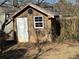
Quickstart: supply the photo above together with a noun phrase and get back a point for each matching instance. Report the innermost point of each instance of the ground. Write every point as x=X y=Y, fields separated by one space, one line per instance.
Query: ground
x=48 y=51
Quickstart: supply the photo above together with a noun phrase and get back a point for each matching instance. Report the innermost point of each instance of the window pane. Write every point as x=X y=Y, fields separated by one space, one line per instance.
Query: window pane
x=40 y=18
x=39 y=24
x=36 y=18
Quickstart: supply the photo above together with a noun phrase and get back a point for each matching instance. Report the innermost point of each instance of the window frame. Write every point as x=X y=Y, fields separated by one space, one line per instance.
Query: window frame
x=39 y=22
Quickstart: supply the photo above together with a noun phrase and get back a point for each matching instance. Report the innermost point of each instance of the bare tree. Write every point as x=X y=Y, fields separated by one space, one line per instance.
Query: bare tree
x=40 y=1
x=3 y=2
x=77 y=1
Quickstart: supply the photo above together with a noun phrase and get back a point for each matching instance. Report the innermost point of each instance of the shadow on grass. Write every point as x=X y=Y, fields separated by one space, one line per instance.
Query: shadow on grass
x=14 y=54
x=7 y=44
x=75 y=57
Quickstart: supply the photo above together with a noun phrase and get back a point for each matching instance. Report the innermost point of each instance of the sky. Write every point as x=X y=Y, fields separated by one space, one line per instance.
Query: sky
x=45 y=0
x=55 y=1
x=72 y=1
x=51 y=1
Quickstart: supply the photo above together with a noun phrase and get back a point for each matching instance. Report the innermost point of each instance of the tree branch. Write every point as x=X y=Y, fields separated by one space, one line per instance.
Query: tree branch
x=39 y=2
x=8 y=22
x=3 y=2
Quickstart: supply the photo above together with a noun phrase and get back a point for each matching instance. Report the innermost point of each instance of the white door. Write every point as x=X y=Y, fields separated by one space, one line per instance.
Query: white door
x=22 y=29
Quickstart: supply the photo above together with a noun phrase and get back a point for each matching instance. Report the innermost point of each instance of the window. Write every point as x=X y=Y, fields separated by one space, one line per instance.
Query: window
x=38 y=22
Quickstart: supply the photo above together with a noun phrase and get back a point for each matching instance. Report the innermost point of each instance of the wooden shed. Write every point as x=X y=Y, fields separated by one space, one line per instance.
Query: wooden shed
x=33 y=23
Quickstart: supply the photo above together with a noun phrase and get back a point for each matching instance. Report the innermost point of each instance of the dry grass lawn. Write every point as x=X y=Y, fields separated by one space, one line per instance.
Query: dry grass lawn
x=48 y=51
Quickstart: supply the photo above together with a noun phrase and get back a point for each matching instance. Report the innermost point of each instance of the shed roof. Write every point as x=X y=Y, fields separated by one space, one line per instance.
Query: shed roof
x=47 y=12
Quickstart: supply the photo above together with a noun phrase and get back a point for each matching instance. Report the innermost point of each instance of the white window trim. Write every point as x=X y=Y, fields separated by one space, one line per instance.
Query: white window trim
x=39 y=22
